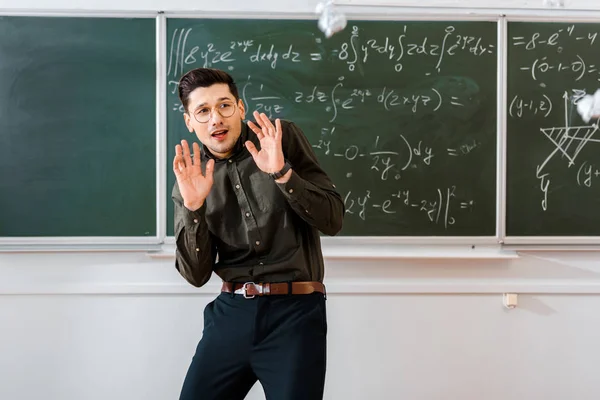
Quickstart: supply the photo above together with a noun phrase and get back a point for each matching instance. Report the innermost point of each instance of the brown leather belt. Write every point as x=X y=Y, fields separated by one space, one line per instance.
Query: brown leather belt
x=251 y=289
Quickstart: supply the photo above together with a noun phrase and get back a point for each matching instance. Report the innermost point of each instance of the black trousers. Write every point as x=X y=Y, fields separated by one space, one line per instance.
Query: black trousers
x=278 y=340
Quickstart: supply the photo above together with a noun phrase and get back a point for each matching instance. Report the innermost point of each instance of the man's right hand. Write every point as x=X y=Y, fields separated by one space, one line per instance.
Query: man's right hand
x=193 y=186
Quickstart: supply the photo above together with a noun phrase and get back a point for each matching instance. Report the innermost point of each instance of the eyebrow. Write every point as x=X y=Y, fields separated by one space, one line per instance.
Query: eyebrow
x=218 y=100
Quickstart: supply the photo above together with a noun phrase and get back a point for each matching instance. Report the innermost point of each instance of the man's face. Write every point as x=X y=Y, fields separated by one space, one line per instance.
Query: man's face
x=206 y=107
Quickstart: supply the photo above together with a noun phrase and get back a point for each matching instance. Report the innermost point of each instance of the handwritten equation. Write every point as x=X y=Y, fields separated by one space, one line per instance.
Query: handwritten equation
x=401 y=115
x=438 y=209
x=575 y=66
x=395 y=50
x=521 y=106
x=388 y=163
x=561 y=62
x=337 y=96
x=340 y=98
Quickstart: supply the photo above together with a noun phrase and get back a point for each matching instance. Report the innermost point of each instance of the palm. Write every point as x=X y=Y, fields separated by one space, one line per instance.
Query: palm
x=270 y=157
x=193 y=186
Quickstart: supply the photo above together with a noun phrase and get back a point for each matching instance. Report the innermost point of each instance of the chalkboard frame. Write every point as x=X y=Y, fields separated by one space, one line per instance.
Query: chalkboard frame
x=472 y=243
x=540 y=242
x=154 y=243
x=107 y=243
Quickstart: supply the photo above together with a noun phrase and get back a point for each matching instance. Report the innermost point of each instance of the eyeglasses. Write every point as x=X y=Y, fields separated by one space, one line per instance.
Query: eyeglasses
x=225 y=110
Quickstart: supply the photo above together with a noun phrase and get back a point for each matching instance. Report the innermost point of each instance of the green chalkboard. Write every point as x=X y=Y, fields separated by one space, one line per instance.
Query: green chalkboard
x=402 y=115
x=553 y=157
x=77 y=127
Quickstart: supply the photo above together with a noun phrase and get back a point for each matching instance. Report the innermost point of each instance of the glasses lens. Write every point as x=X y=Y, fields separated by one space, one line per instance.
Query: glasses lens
x=225 y=109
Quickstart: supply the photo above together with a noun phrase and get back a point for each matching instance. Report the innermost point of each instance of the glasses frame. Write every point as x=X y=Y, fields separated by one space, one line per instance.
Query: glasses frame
x=212 y=109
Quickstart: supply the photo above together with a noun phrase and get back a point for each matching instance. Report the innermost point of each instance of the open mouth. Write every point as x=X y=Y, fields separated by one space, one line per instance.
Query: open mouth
x=219 y=134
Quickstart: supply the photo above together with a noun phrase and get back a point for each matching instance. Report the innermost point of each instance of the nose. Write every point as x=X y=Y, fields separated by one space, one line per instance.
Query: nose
x=216 y=118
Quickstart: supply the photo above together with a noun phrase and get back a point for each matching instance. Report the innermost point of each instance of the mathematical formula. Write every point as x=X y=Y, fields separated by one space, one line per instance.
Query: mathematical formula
x=575 y=67
x=438 y=209
x=565 y=57
x=397 y=49
x=425 y=82
x=389 y=163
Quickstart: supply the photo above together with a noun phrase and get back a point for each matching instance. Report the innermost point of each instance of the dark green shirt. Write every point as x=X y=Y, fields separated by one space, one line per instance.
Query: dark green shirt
x=252 y=228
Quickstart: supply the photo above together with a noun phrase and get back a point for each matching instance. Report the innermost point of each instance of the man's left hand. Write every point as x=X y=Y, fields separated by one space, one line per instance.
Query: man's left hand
x=270 y=157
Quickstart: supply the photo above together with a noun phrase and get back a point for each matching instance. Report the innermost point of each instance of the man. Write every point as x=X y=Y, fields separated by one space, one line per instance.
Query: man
x=250 y=207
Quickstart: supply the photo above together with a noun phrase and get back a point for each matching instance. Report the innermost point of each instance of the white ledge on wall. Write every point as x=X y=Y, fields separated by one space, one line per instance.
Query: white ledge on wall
x=78 y=244
x=395 y=248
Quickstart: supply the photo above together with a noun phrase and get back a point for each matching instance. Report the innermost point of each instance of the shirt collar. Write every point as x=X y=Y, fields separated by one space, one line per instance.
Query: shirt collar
x=239 y=149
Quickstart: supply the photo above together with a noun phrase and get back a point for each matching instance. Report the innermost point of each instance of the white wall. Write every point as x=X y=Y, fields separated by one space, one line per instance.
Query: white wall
x=123 y=326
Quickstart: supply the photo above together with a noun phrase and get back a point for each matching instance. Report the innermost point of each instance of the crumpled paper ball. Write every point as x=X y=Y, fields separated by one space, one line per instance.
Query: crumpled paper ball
x=588 y=106
x=331 y=20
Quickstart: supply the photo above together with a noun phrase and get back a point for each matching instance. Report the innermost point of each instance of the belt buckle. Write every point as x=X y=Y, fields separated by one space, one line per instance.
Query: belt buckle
x=245 y=289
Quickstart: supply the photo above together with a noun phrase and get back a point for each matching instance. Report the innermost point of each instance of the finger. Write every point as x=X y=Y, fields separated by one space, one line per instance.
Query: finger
x=256 y=129
x=210 y=169
x=186 y=153
x=252 y=149
x=177 y=160
x=257 y=118
x=267 y=126
x=177 y=165
x=259 y=121
x=196 y=147
x=278 y=130
x=263 y=121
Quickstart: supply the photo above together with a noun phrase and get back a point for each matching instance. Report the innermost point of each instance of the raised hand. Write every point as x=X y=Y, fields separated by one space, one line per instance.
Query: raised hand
x=270 y=157
x=194 y=186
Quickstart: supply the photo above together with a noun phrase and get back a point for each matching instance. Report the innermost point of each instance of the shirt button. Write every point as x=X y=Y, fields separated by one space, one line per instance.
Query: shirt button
x=197 y=249
x=260 y=263
x=291 y=191
x=237 y=186
x=230 y=161
x=306 y=211
x=195 y=221
x=247 y=214
x=258 y=242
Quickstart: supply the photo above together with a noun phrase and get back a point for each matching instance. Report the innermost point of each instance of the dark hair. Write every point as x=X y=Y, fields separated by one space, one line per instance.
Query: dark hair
x=204 y=77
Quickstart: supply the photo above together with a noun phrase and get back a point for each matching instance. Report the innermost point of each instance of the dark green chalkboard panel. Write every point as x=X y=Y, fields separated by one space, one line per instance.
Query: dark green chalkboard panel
x=402 y=115
x=77 y=127
x=553 y=161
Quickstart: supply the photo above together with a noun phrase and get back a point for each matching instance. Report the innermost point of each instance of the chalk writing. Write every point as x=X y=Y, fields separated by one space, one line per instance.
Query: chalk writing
x=439 y=208
x=520 y=105
x=568 y=143
x=387 y=111
x=397 y=49
x=561 y=61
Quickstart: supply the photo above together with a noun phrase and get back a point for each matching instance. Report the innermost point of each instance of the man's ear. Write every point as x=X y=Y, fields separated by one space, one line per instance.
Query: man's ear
x=188 y=122
x=242 y=108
